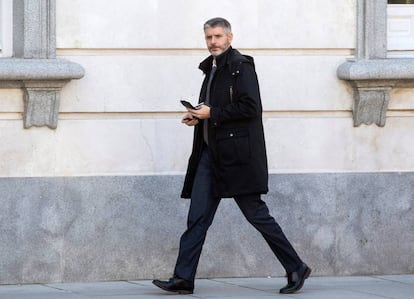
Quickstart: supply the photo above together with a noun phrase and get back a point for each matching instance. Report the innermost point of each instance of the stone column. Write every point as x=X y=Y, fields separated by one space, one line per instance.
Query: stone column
x=371 y=29
x=34 y=29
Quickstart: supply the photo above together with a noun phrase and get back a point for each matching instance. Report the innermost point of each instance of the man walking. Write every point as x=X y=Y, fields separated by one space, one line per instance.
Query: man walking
x=228 y=160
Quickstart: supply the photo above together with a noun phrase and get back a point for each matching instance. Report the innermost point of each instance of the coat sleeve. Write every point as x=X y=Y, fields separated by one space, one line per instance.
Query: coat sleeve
x=246 y=102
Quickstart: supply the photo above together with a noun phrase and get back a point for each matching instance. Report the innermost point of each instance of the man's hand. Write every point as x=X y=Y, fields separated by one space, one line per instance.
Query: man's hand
x=201 y=113
x=189 y=119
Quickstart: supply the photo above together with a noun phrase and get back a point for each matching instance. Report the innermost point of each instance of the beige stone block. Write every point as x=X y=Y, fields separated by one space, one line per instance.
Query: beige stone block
x=129 y=83
x=332 y=144
x=178 y=23
x=133 y=146
x=302 y=83
x=11 y=100
x=401 y=99
x=123 y=147
x=84 y=147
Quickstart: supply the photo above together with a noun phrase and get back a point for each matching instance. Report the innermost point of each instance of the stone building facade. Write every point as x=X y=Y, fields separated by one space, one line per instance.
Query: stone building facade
x=93 y=152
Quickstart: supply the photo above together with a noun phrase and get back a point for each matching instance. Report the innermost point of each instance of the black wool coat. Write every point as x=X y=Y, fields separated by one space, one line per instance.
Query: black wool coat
x=236 y=139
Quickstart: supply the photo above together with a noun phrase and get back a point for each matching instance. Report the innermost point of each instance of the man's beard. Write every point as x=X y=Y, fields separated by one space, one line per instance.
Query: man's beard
x=218 y=52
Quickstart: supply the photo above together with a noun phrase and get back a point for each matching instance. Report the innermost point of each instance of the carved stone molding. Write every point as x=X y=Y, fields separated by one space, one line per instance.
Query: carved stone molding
x=371 y=103
x=41 y=81
x=371 y=74
x=34 y=66
x=41 y=103
x=372 y=81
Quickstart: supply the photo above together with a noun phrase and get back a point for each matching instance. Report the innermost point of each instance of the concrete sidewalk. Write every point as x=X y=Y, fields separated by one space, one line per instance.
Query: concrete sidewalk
x=364 y=287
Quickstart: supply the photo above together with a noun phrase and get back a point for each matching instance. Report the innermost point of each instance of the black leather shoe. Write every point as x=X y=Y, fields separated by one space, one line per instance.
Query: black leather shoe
x=296 y=280
x=176 y=285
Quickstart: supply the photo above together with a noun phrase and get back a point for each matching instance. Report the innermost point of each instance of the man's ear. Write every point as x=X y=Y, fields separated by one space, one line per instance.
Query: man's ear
x=230 y=36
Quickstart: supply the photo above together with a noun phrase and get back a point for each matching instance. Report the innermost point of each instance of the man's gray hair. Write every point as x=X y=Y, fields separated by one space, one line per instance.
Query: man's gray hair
x=218 y=22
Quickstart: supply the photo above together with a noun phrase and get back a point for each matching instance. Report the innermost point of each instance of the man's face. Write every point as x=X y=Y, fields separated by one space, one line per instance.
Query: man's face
x=217 y=40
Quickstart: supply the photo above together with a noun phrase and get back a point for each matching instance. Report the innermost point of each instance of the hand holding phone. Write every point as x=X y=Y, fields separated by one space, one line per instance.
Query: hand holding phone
x=190 y=106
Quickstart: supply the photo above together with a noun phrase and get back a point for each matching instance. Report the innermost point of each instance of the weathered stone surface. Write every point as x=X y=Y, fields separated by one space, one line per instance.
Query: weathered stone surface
x=115 y=228
x=377 y=69
x=15 y=69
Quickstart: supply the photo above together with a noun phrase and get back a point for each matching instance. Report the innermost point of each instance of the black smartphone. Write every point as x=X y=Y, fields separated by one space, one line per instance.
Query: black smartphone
x=189 y=105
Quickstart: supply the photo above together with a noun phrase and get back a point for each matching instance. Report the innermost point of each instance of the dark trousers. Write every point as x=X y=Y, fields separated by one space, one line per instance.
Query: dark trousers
x=200 y=216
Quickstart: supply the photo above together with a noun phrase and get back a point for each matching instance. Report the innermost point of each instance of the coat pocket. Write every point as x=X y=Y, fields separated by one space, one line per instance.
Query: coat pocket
x=233 y=147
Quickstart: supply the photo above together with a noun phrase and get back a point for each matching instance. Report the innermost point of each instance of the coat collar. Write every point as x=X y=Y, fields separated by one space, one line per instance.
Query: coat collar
x=221 y=60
